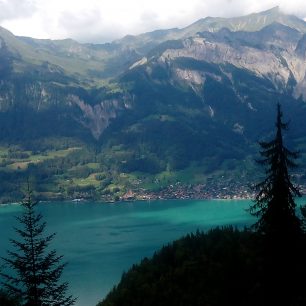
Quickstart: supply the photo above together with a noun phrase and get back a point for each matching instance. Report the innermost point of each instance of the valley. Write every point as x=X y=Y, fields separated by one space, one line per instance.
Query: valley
x=172 y=113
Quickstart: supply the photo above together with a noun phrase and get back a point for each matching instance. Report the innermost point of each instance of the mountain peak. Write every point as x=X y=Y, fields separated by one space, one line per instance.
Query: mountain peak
x=271 y=11
x=250 y=23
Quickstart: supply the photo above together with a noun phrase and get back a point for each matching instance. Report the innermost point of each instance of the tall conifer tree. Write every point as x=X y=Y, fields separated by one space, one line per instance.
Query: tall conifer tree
x=278 y=225
x=274 y=203
x=36 y=270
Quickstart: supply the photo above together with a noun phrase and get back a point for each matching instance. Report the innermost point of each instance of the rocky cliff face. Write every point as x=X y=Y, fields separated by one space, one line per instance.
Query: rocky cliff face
x=97 y=117
x=243 y=59
x=273 y=57
x=40 y=97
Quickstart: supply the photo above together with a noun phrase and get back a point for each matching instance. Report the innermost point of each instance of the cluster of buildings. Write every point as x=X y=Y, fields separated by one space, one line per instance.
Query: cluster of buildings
x=200 y=191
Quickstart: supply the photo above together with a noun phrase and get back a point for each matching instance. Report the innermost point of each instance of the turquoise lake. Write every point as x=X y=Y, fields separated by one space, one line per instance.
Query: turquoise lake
x=100 y=241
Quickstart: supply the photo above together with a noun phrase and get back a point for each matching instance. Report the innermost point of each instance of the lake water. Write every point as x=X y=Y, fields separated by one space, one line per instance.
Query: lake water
x=100 y=241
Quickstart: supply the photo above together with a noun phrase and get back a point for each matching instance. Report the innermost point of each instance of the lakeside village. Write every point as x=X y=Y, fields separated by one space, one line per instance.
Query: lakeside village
x=214 y=188
x=185 y=192
x=232 y=191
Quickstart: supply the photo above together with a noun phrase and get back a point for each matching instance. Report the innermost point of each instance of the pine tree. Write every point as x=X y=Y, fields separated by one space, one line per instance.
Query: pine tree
x=279 y=227
x=36 y=270
x=274 y=203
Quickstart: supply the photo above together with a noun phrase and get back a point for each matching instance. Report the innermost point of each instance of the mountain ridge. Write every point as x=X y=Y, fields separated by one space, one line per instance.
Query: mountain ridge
x=147 y=112
x=206 y=24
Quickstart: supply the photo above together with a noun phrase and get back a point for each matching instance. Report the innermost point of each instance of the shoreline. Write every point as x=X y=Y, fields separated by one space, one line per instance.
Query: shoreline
x=84 y=201
x=171 y=192
x=127 y=202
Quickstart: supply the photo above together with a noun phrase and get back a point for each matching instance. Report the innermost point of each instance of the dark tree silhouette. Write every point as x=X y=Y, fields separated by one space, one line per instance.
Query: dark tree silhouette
x=278 y=224
x=36 y=270
x=6 y=300
x=274 y=204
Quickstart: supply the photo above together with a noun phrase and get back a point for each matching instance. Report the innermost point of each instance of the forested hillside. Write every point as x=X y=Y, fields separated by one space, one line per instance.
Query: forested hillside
x=178 y=110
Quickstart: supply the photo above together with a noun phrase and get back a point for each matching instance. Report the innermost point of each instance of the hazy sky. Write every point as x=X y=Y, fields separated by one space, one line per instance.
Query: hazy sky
x=106 y=20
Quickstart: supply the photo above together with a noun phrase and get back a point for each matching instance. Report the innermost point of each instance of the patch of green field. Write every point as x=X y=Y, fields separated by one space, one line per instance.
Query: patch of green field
x=3 y=151
x=56 y=153
x=90 y=180
x=93 y=166
x=22 y=163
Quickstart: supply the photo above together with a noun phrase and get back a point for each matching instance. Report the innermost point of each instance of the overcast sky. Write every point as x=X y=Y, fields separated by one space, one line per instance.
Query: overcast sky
x=105 y=20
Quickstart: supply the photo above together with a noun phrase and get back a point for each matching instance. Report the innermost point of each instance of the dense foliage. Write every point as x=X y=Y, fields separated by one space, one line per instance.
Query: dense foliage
x=221 y=267
x=7 y=300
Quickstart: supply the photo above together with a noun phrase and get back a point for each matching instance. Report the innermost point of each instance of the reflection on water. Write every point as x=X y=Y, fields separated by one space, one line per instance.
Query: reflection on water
x=100 y=241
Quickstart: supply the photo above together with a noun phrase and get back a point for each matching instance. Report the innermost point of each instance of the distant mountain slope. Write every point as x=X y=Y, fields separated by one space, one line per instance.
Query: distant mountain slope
x=39 y=74
x=93 y=62
x=249 y=23
x=87 y=63
x=195 y=99
x=253 y=22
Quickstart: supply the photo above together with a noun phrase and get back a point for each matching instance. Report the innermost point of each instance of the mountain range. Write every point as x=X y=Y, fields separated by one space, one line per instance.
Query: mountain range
x=169 y=107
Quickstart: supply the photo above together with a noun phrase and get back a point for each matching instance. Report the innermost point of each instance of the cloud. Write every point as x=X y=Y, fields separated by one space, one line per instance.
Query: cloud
x=296 y=7
x=233 y=8
x=106 y=20
x=12 y=9
x=91 y=26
